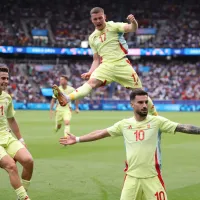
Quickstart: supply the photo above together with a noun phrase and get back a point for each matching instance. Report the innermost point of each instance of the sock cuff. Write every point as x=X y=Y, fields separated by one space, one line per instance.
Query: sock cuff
x=26 y=184
x=26 y=181
x=20 y=189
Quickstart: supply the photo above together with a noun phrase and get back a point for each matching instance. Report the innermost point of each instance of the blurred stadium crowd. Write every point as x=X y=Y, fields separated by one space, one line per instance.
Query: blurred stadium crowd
x=164 y=81
x=67 y=22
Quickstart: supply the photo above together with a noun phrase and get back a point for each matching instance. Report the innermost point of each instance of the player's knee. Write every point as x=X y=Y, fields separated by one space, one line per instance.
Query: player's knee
x=94 y=83
x=28 y=161
x=67 y=122
x=11 y=167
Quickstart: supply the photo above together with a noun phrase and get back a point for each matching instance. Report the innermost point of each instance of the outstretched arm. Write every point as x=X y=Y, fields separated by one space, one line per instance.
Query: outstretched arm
x=95 y=135
x=187 y=128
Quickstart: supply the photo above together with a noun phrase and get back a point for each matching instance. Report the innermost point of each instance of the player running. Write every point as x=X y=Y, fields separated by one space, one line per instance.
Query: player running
x=143 y=177
x=63 y=113
x=110 y=63
x=11 y=149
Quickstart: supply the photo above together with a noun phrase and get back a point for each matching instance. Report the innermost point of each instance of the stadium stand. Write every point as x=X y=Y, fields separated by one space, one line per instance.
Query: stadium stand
x=66 y=23
x=164 y=81
x=61 y=26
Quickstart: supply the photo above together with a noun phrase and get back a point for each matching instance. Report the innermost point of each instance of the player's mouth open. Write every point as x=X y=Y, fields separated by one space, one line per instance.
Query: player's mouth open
x=4 y=85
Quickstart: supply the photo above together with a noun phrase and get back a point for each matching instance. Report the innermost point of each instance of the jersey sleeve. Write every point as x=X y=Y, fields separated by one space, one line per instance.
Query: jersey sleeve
x=166 y=125
x=10 y=110
x=115 y=130
x=118 y=26
x=72 y=89
x=94 y=50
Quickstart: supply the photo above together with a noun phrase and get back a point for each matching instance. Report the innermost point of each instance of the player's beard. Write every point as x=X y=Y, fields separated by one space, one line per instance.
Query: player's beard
x=3 y=87
x=143 y=112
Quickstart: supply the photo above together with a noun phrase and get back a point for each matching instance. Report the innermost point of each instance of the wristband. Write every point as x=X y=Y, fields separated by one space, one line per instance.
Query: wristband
x=21 y=140
x=77 y=139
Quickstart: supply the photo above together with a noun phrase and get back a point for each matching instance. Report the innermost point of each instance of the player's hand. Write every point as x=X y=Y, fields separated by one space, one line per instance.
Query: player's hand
x=86 y=76
x=131 y=18
x=69 y=140
x=51 y=114
x=77 y=110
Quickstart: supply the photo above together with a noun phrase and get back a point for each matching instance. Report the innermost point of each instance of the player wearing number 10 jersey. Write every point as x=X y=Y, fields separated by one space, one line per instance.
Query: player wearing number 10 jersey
x=143 y=178
x=110 y=63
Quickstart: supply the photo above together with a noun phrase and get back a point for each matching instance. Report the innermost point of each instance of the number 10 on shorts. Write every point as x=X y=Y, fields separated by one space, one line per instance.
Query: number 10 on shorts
x=160 y=195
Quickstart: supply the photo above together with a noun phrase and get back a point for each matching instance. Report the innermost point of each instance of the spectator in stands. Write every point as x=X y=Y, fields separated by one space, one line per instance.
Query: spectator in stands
x=163 y=81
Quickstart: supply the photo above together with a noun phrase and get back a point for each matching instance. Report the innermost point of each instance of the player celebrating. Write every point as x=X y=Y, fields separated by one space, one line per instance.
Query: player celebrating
x=109 y=58
x=63 y=113
x=11 y=149
x=140 y=132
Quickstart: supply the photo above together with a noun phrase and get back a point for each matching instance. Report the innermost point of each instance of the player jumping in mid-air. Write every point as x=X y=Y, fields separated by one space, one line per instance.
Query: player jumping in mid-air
x=11 y=149
x=143 y=177
x=109 y=59
x=63 y=113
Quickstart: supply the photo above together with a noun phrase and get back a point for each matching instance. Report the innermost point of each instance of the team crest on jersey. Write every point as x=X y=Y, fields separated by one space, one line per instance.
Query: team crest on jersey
x=130 y=127
x=6 y=101
x=148 y=126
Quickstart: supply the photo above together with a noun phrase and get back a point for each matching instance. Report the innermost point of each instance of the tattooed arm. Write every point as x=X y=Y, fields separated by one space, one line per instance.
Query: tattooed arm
x=187 y=128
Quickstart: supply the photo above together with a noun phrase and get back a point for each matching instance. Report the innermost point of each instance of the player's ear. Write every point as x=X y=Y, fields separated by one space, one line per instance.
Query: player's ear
x=105 y=17
x=132 y=104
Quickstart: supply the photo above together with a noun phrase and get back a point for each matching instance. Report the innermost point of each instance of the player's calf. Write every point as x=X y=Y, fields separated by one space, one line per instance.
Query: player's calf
x=26 y=160
x=79 y=93
x=9 y=165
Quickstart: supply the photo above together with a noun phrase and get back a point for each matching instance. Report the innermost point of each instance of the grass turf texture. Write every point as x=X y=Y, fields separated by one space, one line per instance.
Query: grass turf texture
x=95 y=170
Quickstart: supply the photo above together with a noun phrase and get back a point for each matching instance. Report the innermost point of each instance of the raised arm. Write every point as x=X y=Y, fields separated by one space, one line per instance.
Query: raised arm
x=95 y=64
x=95 y=135
x=133 y=26
x=187 y=128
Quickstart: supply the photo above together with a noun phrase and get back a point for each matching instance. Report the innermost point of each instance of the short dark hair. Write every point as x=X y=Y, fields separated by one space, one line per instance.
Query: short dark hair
x=137 y=92
x=65 y=77
x=4 y=68
x=96 y=10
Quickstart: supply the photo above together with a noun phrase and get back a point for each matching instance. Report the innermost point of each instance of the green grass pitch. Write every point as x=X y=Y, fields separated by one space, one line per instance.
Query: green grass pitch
x=94 y=171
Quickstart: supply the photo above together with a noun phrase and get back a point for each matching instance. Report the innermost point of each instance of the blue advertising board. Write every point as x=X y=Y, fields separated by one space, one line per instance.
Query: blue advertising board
x=88 y=51
x=39 y=32
x=178 y=106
